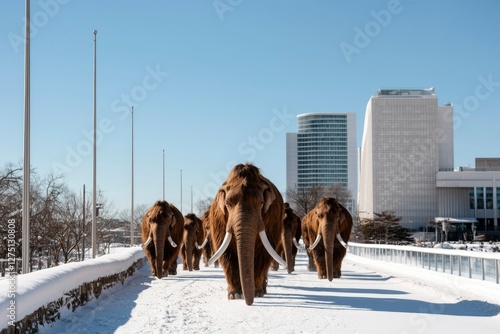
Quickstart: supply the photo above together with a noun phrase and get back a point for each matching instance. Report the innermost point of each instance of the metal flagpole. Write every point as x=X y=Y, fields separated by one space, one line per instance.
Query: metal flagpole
x=83 y=229
x=26 y=167
x=163 y=175
x=132 y=205
x=94 y=182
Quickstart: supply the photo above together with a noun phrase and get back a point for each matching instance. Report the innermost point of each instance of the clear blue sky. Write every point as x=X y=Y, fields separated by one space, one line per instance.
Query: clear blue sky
x=214 y=83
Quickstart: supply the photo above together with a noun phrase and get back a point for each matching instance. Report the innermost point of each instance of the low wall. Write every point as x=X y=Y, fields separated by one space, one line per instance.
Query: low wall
x=30 y=300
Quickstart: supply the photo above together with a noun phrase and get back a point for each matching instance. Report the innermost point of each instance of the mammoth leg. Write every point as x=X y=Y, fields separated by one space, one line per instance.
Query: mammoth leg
x=339 y=252
x=151 y=255
x=261 y=285
x=172 y=268
x=275 y=265
x=320 y=261
x=196 y=259
x=310 y=261
x=232 y=273
x=294 y=255
x=184 y=257
x=206 y=256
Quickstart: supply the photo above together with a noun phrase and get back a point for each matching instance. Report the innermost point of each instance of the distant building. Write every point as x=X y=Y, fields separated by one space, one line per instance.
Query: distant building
x=407 y=140
x=473 y=192
x=323 y=152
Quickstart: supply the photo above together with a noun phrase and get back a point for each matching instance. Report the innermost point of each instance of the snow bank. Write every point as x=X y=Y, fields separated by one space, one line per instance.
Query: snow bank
x=22 y=295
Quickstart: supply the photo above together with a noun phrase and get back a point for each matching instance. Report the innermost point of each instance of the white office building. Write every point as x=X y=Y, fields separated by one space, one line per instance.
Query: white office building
x=407 y=140
x=323 y=152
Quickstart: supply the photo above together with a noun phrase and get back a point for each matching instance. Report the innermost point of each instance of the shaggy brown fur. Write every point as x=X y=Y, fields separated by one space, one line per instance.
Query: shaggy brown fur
x=207 y=250
x=339 y=251
x=248 y=191
x=339 y=220
x=291 y=228
x=193 y=232
x=165 y=216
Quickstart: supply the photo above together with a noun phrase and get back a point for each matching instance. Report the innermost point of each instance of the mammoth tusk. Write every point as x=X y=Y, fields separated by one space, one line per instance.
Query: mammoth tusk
x=339 y=238
x=270 y=249
x=202 y=245
x=221 y=250
x=316 y=242
x=171 y=241
x=147 y=242
x=296 y=243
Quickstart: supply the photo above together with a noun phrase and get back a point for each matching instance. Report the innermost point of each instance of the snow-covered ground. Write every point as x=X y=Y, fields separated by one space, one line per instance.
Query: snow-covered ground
x=23 y=294
x=371 y=297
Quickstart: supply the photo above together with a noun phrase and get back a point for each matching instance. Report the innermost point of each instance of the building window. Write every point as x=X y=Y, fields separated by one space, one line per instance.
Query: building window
x=498 y=199
x=489 y=198
x=480 y=198
x=471 y=199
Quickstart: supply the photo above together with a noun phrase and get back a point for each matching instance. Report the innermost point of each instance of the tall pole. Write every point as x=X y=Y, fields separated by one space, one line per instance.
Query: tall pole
x=181 y=190
x=163 y=175
x=132 y=205
x=83 y=229
x=94 y=182
x=191 y=198
x=26 y=167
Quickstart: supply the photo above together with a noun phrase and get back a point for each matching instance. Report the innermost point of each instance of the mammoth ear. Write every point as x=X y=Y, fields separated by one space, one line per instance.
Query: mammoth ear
x=269 y=198
x=169 y=214
x=221 y=200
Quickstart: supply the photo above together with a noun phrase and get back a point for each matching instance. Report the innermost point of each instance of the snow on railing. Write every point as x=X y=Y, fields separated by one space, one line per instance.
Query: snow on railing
x=35 y=298
x=471 y=264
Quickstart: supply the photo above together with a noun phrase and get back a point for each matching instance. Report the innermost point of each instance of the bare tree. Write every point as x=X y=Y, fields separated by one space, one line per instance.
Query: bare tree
x=139 y=212
x=11 y=189
x=203 y=204
x=45 y=197
x=338 y=191
x=66 y=232
x=302 y=200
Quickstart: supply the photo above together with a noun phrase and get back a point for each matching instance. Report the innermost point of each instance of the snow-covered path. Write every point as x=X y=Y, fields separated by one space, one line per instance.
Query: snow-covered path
x=369 y=298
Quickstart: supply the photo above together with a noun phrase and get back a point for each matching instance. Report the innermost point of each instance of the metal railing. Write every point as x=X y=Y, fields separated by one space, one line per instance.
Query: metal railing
x=471 y=264
x=5 y=266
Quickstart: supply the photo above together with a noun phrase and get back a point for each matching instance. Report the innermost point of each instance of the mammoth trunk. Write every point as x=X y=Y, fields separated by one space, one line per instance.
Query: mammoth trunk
x=188 y=243
x=287 y=245
x=329 y=240
x=159 y=243
x=245 y=243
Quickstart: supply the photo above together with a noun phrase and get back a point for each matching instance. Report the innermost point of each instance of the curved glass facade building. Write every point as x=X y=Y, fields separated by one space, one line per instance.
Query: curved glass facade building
x=323 y=151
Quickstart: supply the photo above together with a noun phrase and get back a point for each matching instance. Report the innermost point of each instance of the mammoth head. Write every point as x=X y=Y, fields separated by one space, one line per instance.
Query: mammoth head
x=228 y=197
x=290 y=221
x=329 y=217
x=328 y=210
x=190 y=222
x=245 y=183
x=161 y=213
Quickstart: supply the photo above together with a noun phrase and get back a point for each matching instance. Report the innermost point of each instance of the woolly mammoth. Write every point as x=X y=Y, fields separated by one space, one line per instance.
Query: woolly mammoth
x=207 y=249
x=326 y=230
x=290 y=237
x=162 y=229
x=192 y=242
x=246 y=219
